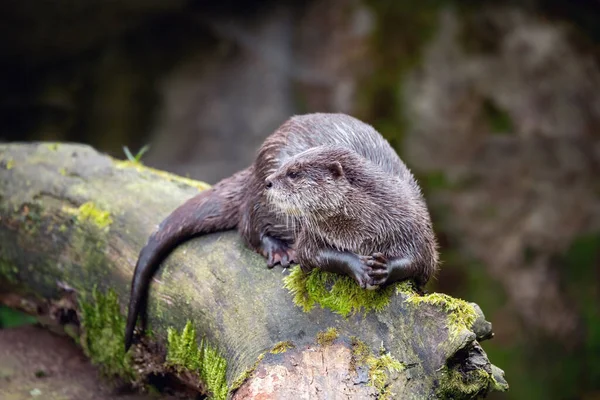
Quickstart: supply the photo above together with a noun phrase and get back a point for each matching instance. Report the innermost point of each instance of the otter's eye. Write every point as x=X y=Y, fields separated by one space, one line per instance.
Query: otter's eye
x=292 y=174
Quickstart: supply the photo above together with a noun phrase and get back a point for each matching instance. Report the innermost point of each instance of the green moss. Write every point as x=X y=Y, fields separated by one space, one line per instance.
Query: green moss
x=338 y=293
x=52 y=146
x=360 y=351
x=10 y=164
x=327 y=337
x=461 y=314
x=103 y=329
x=379 y=367
x=63 y=171
x=89 y=212
x=455 y=384
x=282 y=347
x=166 y=175
x=246 y=374
x=184 y=353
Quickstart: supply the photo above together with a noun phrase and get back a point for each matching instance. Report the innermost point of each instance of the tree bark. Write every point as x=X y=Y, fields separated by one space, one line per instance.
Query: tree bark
x=72 y=222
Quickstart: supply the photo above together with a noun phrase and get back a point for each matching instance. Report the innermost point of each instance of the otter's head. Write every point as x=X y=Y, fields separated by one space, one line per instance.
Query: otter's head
x=311 y=184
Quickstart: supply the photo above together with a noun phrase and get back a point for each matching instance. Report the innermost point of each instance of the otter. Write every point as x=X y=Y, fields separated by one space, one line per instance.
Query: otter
x=325 y=191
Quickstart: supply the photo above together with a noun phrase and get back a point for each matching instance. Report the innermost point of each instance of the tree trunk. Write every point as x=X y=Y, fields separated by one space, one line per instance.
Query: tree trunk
x=72 y=223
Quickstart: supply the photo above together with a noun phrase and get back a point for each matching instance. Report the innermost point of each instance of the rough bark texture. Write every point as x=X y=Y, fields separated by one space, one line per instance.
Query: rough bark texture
x=72 y=219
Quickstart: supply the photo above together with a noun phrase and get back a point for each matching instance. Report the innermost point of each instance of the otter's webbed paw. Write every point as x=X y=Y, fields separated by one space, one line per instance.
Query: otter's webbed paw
x=277 y=252
x=379 y=268
x=360 y=272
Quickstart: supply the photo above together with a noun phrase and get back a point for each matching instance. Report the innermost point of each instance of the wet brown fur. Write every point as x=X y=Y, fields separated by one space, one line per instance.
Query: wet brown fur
x=381 y=208
x=343 y=201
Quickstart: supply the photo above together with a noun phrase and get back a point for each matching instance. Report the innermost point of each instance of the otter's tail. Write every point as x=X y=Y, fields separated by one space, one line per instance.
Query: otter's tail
x=215 y=209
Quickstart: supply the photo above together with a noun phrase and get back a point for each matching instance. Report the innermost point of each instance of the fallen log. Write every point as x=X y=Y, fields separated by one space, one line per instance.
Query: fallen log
x=72 y=222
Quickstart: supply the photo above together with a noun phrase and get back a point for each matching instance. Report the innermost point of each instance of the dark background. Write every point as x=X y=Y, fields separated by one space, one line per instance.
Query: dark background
x=495 y=105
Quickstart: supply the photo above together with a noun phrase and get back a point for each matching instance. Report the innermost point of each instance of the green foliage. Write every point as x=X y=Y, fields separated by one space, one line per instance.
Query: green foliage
x=184 y=353
x=138 y=157
x=89 y=212
x=103 y=333
x=10 y=318
x=338 y=293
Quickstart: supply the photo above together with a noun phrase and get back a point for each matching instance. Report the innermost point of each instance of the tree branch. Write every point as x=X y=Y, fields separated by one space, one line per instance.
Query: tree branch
x=72 y=223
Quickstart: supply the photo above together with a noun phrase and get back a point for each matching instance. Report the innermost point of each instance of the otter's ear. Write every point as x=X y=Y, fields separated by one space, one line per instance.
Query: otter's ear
x=336 y=169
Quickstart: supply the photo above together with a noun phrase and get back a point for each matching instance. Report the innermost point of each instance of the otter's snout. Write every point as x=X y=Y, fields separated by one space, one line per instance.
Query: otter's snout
x=269 y=184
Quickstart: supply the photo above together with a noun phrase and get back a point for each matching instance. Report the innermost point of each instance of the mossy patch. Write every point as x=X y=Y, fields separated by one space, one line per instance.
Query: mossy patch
x=461 y=314
x=184 y=353
x=123 y=164
x=103 y=328
x=379 y=366
x=10 y=164
x=327 y=337
x=89 y=212
x=338 y=293
x=246 y=374
x=455 y=384
x=282 y=347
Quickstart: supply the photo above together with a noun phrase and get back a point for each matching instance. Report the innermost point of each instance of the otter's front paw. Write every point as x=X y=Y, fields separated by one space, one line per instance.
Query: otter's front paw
x=277 y=252
x=379 y=270
x=360 y=273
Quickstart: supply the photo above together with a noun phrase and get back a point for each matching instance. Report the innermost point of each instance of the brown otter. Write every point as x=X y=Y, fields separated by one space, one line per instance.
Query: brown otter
x=326 y=190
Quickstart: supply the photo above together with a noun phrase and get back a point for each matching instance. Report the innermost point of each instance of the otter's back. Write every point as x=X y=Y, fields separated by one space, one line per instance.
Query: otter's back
x=303 y=132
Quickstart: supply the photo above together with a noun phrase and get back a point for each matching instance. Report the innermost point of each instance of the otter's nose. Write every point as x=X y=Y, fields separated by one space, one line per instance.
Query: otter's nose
x=269 y=181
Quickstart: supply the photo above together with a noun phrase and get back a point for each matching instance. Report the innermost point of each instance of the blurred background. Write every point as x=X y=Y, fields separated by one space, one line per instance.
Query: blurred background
x=494 y=105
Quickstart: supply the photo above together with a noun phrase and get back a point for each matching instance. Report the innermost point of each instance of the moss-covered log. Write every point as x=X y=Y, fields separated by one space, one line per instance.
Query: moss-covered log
x=72 y=222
